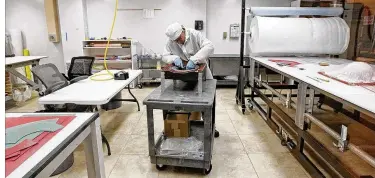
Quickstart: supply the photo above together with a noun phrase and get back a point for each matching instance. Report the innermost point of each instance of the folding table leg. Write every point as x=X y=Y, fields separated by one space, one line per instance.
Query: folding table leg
x=40 y=87
x=134 y=98
x=104 y=139
x=94 y=152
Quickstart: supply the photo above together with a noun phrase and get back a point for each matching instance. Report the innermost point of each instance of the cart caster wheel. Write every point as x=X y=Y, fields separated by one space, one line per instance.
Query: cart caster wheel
x=320 y=105
x=161 y=167
x=217 y=134
x=140 y=86
x=283 y=143
x=207 y=171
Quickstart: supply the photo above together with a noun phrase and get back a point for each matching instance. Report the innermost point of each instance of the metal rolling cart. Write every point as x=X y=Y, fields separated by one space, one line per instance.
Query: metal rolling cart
x=149 y=66
x=225 y=65
x=177 y=96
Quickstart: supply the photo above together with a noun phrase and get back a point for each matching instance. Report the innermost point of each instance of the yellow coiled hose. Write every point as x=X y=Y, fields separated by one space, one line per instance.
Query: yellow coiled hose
x=108 y=73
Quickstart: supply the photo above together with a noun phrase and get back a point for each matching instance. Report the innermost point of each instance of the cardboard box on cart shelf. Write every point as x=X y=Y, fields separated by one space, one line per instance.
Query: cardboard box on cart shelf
x=177 y=124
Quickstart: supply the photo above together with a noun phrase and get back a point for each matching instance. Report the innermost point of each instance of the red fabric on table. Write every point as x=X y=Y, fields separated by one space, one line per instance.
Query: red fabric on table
x=290 y=63
x=37 y=139
x=20 y=153
x=12 y=155
x=21 y=146
x=43 y=138
x=15 y=121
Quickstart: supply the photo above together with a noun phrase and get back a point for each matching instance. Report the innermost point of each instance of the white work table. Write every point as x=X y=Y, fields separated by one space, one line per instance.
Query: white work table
x=22 y=60
x=356 y=96
x=11 y=63
x=90 y=92
x=85 y=128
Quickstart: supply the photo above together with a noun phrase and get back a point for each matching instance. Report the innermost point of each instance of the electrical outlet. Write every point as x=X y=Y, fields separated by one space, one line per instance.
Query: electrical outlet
x=225 y=35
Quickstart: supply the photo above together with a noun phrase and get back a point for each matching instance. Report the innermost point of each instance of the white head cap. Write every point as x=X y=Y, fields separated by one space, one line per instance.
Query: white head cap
x=174 y=31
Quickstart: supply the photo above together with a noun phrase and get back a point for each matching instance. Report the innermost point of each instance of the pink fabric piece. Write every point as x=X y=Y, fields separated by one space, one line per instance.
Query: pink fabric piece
x=21 y=146
x=12 y=155
x=20 y=153
x=289 y=63
x=12 y=163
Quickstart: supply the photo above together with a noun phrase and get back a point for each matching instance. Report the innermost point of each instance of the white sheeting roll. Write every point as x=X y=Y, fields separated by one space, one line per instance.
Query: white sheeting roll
x=279 y=11
x=273 y=36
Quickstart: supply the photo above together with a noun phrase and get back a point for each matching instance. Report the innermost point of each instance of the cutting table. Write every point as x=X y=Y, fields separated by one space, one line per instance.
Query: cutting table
x=293 y=126
x=11 y=63
x=84 y=128
x=357 y=97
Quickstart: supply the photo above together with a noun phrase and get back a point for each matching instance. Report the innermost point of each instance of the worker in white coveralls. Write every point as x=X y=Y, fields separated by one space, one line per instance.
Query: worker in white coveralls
x=187 y=46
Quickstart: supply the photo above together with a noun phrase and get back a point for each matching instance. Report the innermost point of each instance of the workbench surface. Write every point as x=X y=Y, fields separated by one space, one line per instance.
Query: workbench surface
x=21 y=59
x=90 y=92
x=358 y=96
x=185 y=93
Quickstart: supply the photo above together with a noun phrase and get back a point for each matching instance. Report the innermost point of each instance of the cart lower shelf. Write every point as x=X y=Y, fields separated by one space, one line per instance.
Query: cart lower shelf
x=192 y=160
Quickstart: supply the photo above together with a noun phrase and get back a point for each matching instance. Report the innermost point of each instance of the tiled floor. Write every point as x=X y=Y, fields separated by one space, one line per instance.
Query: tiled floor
x=246 y=148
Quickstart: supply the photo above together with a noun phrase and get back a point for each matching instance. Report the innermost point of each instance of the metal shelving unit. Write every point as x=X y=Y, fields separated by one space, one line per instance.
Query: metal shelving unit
x=150 y=66
x=129 y=47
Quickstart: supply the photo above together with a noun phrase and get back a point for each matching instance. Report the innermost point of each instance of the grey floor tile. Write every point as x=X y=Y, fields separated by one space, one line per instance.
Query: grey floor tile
x=262 y=143
x=228 y=145
x=278 y=164
x=224 y=166
x=138 y=144
x=134 y=166
x=225 y=127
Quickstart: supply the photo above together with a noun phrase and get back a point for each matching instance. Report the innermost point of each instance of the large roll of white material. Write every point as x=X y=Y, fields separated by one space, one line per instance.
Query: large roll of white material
x=279 y=11
x=17 y=43
x=273 y=36
x=16 y=36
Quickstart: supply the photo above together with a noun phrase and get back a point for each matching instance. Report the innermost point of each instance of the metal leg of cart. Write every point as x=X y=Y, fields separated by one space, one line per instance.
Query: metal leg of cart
x=217 y=133
x=209 y=127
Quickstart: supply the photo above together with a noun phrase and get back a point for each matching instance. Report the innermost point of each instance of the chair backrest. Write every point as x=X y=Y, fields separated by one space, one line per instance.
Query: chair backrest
x=80 y=66
x=48 y=74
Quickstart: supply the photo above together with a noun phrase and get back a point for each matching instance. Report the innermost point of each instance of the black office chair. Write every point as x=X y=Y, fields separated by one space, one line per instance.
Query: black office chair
x=53 y=80
x=80 y=66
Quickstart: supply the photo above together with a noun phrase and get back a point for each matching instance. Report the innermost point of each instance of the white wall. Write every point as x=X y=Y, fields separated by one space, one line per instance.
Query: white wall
x=29 y=17
x=72 y=27
x=150 y=32
x=222 y=13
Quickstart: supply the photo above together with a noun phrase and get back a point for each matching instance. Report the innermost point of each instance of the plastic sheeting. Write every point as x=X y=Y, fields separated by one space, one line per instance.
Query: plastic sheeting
x=355 y=72
x=274 y=36
x=186 y=147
